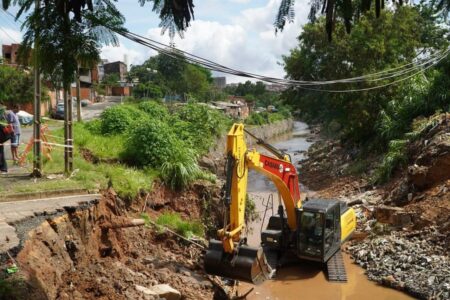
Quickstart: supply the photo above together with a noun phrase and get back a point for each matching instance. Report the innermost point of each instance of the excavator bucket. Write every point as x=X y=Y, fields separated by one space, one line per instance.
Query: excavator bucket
x=248 y=264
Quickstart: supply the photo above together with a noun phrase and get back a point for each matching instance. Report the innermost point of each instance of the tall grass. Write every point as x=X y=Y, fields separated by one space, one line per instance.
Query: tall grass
x=396 y=156
x=183 y=227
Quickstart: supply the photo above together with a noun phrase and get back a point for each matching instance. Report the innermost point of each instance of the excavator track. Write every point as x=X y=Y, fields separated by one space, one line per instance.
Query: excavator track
x=336 y=268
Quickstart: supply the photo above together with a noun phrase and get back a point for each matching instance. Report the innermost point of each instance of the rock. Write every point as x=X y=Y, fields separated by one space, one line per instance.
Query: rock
x=166 y=291
x=418 y=175
x=208 y=164
x=145 y=290
x=399 y=195
x=385 y=214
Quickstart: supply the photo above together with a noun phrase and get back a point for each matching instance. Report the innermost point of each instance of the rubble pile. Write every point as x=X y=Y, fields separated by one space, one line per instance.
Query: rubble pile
x=403 y=226
x=416 y=262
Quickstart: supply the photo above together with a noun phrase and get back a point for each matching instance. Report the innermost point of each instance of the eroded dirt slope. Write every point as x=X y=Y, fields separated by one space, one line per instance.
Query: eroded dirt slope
x=78 y=255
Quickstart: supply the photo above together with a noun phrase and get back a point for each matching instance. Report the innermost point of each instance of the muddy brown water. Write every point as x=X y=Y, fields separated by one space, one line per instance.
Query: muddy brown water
x=304 y=280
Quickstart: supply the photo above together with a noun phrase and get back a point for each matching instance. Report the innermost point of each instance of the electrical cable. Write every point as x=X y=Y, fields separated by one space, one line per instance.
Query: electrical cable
x=216 y=67
x=6 y=32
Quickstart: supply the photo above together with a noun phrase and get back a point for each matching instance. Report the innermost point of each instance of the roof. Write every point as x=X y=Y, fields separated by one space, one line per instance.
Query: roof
x=319 y=204
x=226 y=104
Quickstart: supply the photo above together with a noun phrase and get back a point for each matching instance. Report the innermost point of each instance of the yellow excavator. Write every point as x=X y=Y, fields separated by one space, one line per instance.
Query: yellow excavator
x=313 y=230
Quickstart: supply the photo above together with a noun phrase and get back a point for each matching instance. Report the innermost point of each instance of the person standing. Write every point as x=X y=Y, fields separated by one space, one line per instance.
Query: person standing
x=12 y=118
x=5 y=134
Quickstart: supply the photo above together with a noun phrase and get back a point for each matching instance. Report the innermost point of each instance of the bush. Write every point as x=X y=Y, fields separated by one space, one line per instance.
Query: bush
x=154 y=110
x=395 y=157
x=199 y=125
x=255 y=119
x=181 y=169
x=151 y=144
x=120 y=118
x=275 y=117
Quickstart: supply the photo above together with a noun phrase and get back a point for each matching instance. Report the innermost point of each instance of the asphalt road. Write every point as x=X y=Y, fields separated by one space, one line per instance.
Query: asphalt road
x=90 y=112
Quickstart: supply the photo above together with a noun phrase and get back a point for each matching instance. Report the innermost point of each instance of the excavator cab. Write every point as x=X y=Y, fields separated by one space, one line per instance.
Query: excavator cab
x=319 y=232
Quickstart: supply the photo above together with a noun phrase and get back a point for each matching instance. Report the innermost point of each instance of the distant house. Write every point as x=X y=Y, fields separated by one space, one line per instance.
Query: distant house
x=117 y=67
x=220 y=82
x=236 y=107
x=9 y=53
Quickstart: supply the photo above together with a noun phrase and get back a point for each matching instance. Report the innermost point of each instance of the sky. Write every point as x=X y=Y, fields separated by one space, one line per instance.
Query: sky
x=235 y=33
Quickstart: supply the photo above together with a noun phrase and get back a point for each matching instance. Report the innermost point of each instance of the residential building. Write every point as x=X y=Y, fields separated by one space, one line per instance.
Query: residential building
x=9 y=53
x=116 y=67
x=236 y=107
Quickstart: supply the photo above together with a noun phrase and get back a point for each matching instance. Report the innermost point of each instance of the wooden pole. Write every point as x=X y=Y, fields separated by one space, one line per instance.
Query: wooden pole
x=37 y=157
x=66 y=131
x=70 y=132
x=78 y=95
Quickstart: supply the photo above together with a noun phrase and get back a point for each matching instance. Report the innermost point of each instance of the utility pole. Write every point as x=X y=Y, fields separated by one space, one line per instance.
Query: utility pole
x=68 y=137
x=78 y=94
x=37 y=158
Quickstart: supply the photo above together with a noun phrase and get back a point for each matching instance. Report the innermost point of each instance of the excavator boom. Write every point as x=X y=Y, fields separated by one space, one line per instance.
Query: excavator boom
x=230 y=256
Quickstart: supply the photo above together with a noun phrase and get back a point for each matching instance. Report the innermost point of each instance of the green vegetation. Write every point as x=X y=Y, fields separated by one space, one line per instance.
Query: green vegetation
x=118 y=119
x=263 y=118
x=183 y=227
x=377 y=121
x=199 y=126
x=16 y=87
x=132 y=144
x=151 y=144
x=164 y=75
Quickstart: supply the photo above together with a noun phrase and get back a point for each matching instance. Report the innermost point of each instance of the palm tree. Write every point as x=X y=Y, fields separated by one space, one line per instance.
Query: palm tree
x=61 y=42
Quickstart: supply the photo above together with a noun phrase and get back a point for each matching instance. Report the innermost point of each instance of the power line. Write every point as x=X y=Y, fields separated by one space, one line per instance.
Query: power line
x=14 y=23
x=6 y=32
x=405 y=71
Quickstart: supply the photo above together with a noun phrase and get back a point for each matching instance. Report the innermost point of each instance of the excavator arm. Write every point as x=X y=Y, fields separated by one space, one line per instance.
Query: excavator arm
x=231 y=257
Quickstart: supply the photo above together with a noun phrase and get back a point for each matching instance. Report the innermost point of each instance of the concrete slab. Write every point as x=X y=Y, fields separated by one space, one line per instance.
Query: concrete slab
x=13 y=212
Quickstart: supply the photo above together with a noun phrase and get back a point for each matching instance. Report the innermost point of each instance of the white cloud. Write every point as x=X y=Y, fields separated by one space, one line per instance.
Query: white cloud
x=246 y=42
x=240 y=1
x=122 y=53
x=9 y=36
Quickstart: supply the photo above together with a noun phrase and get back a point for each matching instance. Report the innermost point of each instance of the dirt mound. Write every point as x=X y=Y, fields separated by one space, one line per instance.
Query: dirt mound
x=76 y=256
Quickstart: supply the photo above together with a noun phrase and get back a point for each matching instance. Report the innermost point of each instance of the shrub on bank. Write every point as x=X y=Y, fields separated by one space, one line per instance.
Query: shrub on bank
x=150 y=144
x=154 y=110
x=120 y=118
x=199 y=125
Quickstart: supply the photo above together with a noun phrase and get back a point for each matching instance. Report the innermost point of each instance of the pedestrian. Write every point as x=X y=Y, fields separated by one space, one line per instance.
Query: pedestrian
x=13 y=119
x=5 y=134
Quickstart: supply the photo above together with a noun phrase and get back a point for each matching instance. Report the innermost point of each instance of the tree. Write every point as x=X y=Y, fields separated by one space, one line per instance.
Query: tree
x=172 y=69
x=393 y=39
x=16 y=87
x=196 y=80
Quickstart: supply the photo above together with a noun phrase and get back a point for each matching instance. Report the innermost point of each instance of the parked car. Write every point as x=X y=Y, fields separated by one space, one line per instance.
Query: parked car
x=58 y=113
x=85 y=102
